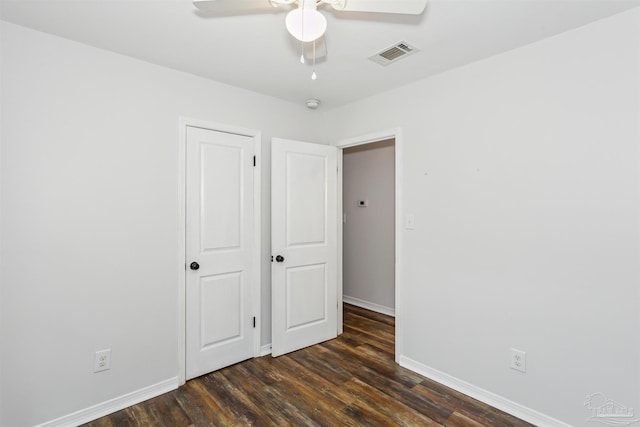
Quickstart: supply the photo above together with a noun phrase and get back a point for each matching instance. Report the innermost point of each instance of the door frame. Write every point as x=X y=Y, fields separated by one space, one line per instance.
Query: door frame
x=396 y=134
x=185 y=122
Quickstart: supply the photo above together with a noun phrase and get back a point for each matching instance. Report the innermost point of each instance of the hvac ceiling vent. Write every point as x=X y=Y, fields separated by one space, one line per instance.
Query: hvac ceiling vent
x=393 y=53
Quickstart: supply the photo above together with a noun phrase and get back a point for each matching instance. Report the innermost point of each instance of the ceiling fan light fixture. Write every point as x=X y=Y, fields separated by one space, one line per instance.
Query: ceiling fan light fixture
x=306 y=23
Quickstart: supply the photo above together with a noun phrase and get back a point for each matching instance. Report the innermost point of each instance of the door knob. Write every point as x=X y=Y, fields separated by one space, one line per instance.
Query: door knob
x=194 y=266
x=279 y=258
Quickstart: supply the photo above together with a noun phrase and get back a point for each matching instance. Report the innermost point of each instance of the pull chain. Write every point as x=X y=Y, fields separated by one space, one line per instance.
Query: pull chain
x=301 y=42
x=313 y=75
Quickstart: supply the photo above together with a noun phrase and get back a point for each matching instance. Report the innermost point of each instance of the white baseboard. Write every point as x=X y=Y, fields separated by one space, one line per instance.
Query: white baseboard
x=369 y=305
x=265 y=350
x=499 y=402
x=110 y=406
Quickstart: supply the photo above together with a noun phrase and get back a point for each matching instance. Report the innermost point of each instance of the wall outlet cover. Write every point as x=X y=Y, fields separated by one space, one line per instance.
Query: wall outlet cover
x=518 y=360
x=102 y=360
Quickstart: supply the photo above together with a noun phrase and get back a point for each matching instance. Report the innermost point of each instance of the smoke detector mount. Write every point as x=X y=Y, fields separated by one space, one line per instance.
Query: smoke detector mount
x=312 y=103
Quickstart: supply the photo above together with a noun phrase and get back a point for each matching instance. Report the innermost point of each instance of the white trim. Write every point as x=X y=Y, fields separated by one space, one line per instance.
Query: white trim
x=399 y=259
x=368 y=138
x=396 y=134
x=182 y=252
x=257 y=240
x=184 y=122
x=116 y=404
x=340 y=243
x=369 y=305
x=485 y=396
x=265 y=350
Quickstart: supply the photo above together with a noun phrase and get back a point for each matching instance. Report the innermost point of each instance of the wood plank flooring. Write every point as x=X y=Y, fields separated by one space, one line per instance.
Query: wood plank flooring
x=350 y=381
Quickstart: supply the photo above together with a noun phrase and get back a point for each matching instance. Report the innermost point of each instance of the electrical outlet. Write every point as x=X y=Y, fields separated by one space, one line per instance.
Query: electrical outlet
x=518 y=360
x=102 y=360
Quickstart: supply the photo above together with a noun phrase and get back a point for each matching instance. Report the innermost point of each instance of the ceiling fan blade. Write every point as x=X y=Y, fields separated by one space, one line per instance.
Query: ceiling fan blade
x=226 y=6
x=405 y=7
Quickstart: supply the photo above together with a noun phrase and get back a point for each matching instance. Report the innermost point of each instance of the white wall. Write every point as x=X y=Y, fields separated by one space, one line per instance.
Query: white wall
x=1 y=247
x=89 y=216
x=522 y=171
x=369 y=233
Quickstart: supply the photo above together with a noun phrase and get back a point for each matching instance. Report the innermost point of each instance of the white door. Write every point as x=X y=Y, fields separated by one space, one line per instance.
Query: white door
x=219 y=243
x=304 y=244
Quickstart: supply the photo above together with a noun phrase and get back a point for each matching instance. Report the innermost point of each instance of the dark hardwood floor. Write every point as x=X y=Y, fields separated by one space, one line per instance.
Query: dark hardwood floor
x=350 y=381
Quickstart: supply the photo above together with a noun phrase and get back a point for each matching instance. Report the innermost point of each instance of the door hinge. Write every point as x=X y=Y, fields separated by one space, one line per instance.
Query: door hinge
x=254 y=321
x=271 y=259
x=254 y=161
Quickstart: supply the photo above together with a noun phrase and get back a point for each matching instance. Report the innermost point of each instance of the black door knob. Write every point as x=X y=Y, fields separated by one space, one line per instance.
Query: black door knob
x=279 y=258
x=194 y=266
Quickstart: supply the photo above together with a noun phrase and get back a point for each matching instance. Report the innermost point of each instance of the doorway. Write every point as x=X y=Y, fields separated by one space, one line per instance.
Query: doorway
x=368 y=185
x=386 y=137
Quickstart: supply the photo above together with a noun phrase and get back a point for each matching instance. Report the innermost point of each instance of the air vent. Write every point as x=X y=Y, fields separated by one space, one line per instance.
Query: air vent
x=393 y=53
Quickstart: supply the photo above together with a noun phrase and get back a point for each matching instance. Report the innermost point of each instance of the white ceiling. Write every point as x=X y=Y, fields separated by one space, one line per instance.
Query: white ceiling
x=254 y=51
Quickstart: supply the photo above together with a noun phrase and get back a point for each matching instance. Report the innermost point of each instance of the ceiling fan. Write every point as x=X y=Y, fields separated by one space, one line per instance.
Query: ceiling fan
x=305 y=23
